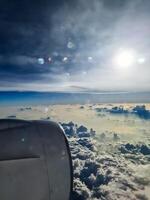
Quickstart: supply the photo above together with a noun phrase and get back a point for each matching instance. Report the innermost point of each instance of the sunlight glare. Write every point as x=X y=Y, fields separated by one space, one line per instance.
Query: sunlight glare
x=125 y=58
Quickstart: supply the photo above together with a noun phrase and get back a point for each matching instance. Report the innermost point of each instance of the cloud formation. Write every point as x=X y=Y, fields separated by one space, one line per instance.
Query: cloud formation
x=109 y=170
x=73 y=43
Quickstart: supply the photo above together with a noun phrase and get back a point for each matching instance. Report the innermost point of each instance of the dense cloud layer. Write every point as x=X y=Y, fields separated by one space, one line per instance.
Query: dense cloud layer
x=138 y=110
x=108 y=174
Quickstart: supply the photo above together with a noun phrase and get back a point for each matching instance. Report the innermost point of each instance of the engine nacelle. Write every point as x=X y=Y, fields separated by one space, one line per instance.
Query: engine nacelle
x=35 y=161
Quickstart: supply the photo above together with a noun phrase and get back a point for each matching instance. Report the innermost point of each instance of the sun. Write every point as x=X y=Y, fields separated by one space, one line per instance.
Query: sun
x=125 y=58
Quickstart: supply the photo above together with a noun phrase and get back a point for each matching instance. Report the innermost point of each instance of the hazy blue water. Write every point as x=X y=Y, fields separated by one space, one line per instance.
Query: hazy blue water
x=32 y=98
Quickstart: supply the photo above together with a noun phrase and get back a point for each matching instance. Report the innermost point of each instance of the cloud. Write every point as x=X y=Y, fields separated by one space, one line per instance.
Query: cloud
x=17 y=60
x=81 y=37
x=107 y=174
x=137 y=110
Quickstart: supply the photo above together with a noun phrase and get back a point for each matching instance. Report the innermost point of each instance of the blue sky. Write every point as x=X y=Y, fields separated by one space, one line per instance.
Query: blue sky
x=72 y=45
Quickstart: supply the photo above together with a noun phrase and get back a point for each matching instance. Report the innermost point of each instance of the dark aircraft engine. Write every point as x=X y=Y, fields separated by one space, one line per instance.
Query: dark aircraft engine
x=35 y=161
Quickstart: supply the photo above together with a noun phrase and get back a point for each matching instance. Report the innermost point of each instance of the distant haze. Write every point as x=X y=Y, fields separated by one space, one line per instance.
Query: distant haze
x=46 y=98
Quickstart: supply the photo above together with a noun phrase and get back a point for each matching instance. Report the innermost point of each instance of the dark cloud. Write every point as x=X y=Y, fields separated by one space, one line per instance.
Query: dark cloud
x=138 y=110
x=24 y=24
x=80 y=37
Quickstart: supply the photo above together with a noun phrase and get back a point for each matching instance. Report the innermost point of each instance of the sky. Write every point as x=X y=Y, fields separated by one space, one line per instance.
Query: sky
x=75 y=45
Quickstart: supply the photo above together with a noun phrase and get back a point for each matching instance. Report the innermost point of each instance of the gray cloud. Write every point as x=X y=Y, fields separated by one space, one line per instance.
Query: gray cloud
x=78 y=30
x=20 y=60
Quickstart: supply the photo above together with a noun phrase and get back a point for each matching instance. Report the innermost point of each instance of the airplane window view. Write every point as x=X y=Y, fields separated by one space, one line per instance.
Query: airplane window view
x=75 y=100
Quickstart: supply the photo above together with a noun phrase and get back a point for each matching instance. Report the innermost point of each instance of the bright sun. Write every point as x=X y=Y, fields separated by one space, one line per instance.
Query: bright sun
x=125 y=58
